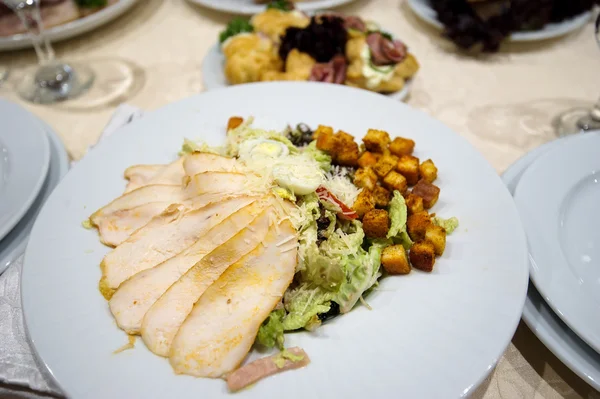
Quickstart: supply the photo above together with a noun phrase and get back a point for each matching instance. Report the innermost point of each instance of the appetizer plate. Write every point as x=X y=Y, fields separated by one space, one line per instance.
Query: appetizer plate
x=422 y=8
x=453 y=324
x=214 y=78
x=70 y=29
x=13 y=245
x=24 y=159
x=557 y=197
x=249 y=7
x=540 y=318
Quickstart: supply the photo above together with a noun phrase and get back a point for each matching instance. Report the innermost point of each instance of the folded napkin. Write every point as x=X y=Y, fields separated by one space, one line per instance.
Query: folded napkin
x=21 y=375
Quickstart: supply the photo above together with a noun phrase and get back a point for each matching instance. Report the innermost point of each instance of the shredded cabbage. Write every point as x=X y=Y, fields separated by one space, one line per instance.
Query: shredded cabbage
x=448 y=224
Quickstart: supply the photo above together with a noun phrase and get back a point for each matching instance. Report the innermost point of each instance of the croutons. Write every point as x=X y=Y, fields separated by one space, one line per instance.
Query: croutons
x=385 y=165
x=436 y=236
x=364 y=202
x=382 y=196
x=367 y=159
x=394 y=260
x=401 y=146
x=422 y=256
x=344 y=138
x=376 y=223
x=414 y=203
x=428 y=171
x=408 y=166
x=347 y=154
x=365 y=178
x=376 y=140
x=234 y=122
x=416 y=225
x=429 y=192
x=395 y=181
x=326 y=140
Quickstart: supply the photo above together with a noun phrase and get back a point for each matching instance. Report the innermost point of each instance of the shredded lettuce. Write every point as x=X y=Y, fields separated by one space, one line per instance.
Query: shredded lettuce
x=270 y=333
x=245 y=131
x=190 y=146
x=304 y=303
x=448 y=224
x=321 y=157
x=284 y=355
x=398 y=214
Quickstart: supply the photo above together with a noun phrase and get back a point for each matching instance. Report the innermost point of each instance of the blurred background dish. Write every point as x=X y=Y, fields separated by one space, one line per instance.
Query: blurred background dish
x=249 y=7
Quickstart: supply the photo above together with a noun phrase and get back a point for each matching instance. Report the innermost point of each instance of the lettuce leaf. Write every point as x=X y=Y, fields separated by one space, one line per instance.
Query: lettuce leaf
x=321 y=157
x=270 y=333
x=398 y=214
x=448 y=224
x=304 y=303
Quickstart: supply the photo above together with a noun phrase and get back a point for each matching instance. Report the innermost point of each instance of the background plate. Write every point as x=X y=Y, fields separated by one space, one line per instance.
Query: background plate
x=247 y=7
x=451 y=325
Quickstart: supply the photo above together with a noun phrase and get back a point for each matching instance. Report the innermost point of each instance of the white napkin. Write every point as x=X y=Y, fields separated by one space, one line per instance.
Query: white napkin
x=20 y=374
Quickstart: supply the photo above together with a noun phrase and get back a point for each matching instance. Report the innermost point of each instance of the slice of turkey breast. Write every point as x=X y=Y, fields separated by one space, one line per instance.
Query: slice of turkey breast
x=222 y=326
x=171 y=174
x=200 y=162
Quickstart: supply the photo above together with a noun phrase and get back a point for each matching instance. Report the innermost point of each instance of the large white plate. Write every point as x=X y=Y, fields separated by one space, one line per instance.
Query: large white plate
x=70 y=29
x=214 y=78
x=451 y=325
x=13 y=245
x=247 y=7
x=557 y=198
x=542 y=320
x=24 y=159
x=423 y=10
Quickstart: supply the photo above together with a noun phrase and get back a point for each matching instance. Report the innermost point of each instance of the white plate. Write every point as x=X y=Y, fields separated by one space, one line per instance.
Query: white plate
x=13 y=245
x=540 y=318
x=557 y=198
x=70 y=29
x=452 y=324
x=214 y=78
x=423 y=10
x=247 y=7
x=24 y=159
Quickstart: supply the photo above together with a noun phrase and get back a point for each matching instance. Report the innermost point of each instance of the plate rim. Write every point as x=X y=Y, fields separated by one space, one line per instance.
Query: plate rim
x=558 y=303
x=531 y=314
x=251 y=9
x=518 y=282
x=568 y=26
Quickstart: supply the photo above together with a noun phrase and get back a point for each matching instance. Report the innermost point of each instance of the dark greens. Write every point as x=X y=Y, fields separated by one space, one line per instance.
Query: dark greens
x=91 y=3
x=236 y=26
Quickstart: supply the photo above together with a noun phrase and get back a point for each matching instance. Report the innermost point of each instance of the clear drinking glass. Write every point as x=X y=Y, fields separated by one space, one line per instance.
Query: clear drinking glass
x=51 y=81
x=579 y=120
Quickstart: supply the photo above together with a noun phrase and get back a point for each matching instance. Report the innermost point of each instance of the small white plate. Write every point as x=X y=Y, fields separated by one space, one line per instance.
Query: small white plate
x=247 y=7
x=423 y=10
x=214 y=78
x=24 y=159
x=540 y=318
x=70 y=29
x=558 y=197
x=453 y=324
x=13 y=245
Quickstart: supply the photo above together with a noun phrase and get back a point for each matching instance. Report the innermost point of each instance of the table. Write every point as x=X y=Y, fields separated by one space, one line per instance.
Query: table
x=502 y=103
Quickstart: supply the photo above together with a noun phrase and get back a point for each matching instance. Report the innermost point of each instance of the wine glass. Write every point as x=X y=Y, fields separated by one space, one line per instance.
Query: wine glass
x=51 y=81
x=578 y=120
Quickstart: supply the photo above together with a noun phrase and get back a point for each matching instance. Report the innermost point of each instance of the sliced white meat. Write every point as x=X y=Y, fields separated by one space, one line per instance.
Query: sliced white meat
x=200 y=162
x=216 y=182
x=292 y=358
x=221 y=328
x=164 y=318
x=140 y=175
x=163 y=237
x=135 y=296
x=171 y=174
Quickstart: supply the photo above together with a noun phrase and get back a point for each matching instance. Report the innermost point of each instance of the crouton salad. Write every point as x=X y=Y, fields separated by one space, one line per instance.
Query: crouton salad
x=276 y=231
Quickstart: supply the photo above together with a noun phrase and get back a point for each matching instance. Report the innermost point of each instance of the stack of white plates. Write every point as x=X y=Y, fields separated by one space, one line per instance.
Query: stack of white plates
x=557 y=190
x=32 y=162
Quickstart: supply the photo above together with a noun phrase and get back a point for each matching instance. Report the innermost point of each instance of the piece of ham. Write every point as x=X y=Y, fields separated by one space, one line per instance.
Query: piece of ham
x=333 y=71
x=265 y=367
x=385 y=51
x=356 y=23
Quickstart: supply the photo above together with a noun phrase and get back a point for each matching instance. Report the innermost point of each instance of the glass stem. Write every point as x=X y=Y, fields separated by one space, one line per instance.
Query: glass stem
x=31 y=18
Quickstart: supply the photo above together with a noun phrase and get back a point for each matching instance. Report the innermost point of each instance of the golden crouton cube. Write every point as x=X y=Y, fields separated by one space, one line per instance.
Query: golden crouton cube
x=376 y=140
x=408 y=67
x=422 y=256
x=344 y=138
x=376 y=223
x=414 y=203
x=382 y=196
x=428 y=171
x=436 y=235
x=326 y=139
x=395 y=181
x=322 y=129
x=408 y=166
x=401 y=146
x=416 y=225
x=429 y=192
x=367 y=159
x=385 y=165
x=394 y=260
x=364 y=202
x=347 y=155
x=234 y=122
x=365 y=178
